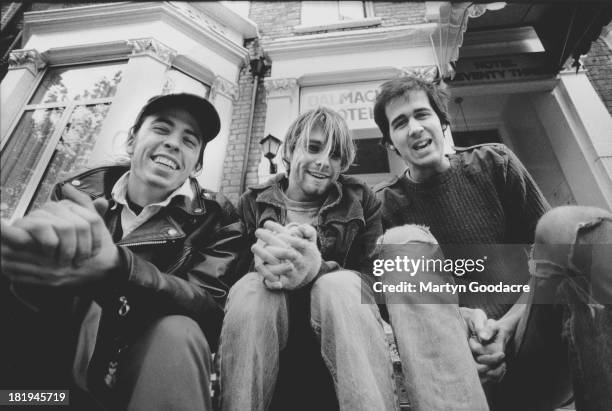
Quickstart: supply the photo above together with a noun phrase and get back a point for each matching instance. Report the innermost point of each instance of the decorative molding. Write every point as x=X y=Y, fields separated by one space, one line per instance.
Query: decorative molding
x=361 y=40
x=428 y=73
x=151 y=47
x=337 y=25
x=109 y=15
x=225 y=19
x=279 y=87
x=225 y=87
x=28 y=59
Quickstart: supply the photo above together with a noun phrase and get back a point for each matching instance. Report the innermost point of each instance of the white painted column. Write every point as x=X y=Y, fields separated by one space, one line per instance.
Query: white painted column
x=579 y=127
x=283 y=107
x=143 y=77
x=24 y=67
x=223 y=94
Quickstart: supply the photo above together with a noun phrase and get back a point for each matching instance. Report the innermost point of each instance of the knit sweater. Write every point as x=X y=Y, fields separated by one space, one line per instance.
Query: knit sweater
x=486 y=197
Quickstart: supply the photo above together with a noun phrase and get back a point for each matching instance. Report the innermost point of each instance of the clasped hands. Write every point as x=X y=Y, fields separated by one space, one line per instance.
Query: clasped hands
x=287 y=257
x=487 y=339
x=62 y=243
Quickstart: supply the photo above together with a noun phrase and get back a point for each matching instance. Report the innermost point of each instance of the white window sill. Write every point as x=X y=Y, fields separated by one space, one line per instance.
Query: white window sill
x=345 y=24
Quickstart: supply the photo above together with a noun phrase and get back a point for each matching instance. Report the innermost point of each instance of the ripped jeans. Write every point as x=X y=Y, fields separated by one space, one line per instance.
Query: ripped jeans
x=563 y=342
x=353 y=344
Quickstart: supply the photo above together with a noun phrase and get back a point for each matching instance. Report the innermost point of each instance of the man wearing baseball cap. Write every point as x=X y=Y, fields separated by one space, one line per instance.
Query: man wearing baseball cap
x=149 y=255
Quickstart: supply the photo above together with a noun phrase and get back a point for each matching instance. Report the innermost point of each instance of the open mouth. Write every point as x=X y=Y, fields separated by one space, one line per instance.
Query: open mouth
x=420 y=145
x=318 y=175
x=165 y=161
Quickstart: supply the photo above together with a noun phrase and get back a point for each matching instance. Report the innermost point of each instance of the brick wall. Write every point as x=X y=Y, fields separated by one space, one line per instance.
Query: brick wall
x=232 y=168
x=394 y=13
x=599 y=71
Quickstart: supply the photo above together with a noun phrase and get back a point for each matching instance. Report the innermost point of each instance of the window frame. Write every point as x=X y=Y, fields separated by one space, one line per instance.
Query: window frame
x=38 y=173
x=369 y=19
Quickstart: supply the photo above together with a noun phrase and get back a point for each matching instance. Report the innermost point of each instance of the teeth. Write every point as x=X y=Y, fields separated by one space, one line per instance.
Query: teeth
x=317 y=175
x=165 y=161
x=421 y=145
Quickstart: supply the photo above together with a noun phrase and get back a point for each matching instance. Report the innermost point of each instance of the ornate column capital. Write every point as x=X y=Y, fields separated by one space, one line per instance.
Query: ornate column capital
x=151 y=47
x=28 y=59
x=279 y=87
x=428 y=73
x=223 y=86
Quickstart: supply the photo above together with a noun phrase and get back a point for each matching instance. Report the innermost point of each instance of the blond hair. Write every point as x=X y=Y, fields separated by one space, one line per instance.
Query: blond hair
x=332 y=126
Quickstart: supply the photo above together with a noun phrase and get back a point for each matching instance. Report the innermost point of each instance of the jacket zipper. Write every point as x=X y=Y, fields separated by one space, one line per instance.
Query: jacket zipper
x=145 y=243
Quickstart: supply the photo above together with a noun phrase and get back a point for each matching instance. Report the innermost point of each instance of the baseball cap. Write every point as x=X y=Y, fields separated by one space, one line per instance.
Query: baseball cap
x=201 y=109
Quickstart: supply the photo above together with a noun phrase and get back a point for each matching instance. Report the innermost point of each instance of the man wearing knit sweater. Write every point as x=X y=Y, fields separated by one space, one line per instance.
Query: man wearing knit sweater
x=483 y=196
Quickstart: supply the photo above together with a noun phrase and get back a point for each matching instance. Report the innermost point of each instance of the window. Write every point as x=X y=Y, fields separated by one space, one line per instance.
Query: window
x=318 y=13
x=475 y=137
x=371 y=157
x=178 y=82
x=55 y=133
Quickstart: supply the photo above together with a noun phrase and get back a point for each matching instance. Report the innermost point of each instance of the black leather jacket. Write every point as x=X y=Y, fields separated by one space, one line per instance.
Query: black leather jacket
x=349 y=220
x=181 y=261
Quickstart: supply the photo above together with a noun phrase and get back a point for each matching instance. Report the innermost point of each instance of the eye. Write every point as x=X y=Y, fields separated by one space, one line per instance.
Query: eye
x=399 y=124
x=161 y=129
x=314 y=148
x=190 y=142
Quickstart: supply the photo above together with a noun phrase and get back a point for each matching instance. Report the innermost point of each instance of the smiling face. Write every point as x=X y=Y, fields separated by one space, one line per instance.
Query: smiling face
x=416 y=132
x=165 y=152
x=314 y=168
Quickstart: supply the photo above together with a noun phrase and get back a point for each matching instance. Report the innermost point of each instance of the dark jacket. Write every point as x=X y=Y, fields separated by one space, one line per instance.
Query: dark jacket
x=349 y=220
x=181 y=261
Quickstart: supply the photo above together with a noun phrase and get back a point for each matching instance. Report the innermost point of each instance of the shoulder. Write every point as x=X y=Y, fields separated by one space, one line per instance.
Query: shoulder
x=386 y=184
x=352 y=184
x=482 y=157
x=96 y=182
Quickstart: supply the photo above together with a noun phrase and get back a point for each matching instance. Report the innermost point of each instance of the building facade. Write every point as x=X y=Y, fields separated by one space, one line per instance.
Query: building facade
x=82 y=72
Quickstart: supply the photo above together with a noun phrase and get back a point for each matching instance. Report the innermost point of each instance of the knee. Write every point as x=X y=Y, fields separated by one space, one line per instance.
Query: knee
x=179 y=331
x=407 y=234
x=560 y=225
x=249 y=299
x=337 y=285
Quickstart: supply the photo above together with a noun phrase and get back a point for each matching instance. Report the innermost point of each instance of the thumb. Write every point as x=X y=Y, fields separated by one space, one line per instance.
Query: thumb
x=72 y=194
x=101 y=206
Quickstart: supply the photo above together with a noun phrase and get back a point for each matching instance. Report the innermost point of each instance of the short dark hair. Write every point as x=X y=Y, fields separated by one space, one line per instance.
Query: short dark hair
x=401 y=87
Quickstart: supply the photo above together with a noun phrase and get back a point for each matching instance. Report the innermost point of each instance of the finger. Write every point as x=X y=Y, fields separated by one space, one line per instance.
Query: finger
x=489 y=330
x=269 y=237
x=42 y=232
x=476 y=348
x=266 y=274
x=23 y=255
x=496 y=374
x=82 y=199
x=24 y=272
x=308 y=232
x=16 y=237
x=96 y=226
x=477 y=323
x=262 y=252
x=101 y=206
x=299 y=244
x=491 y=359
x=275 y=227
x=283 y=253
x=71 y=212
x=284 y=268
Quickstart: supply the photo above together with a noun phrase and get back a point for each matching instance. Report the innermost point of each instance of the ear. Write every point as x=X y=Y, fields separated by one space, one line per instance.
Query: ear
x=129 y=144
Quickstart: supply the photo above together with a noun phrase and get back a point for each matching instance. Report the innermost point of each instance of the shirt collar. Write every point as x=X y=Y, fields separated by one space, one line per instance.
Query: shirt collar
x=119 y=192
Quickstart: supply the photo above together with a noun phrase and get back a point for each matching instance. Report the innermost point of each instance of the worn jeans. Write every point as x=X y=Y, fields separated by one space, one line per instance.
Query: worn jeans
x=563 y=343
x=353 y=344
x=439 y=371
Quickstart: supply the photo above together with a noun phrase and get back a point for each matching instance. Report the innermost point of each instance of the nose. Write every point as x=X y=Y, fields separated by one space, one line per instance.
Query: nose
x=414 y=127
x=172 y=141
x=322 y=162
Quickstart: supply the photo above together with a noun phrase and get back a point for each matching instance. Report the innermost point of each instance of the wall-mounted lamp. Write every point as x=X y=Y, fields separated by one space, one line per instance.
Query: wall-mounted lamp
x=269 y=147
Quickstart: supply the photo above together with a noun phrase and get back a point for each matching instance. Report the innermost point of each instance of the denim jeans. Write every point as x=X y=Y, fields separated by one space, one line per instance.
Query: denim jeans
x=563 y=343
x=353 y=343
x=439 y=371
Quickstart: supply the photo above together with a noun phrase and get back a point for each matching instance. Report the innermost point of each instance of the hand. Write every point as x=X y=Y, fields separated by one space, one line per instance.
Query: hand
x=63 y=243
x=487 y=340
x=297 y=255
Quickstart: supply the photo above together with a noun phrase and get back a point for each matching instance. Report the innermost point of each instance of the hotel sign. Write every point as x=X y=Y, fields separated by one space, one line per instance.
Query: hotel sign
x=501 y=68
x=354 y=101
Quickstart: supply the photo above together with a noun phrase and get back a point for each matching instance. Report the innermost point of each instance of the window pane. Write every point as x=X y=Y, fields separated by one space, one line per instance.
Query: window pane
x=315 y=13
x=73 y=150
x=178 y=82
x=350 y=10
x=78 y=83
x=22 y=153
